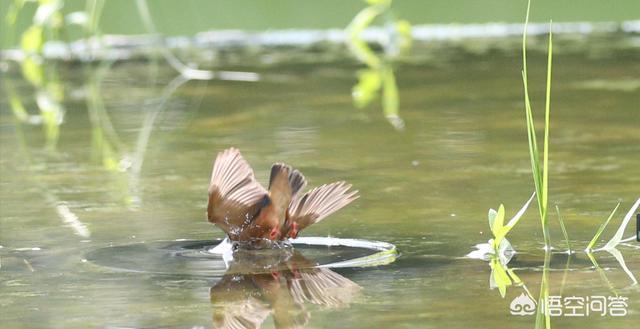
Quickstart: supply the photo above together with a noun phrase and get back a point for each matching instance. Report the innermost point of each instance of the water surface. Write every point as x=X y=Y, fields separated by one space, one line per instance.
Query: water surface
x=426 y=189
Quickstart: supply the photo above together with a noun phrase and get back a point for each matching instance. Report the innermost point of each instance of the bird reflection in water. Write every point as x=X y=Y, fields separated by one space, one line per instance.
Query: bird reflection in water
x=278 y=283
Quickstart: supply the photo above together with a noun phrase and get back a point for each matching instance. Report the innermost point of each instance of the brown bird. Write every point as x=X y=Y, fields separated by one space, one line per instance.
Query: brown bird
x=257 y=217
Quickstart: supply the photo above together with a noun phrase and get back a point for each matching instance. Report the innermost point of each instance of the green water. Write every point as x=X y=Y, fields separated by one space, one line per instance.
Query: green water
x=427 y=189
x=193 y=16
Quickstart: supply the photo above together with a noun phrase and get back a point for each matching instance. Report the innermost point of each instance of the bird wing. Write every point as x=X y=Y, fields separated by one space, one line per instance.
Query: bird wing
x=319 y=203
x=235 y=197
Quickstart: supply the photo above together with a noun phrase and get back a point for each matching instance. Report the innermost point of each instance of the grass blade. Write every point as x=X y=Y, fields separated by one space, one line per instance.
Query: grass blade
x=540 y=175
x=617 y=238
x=547 y=107
x=600 y=230
x=564 y=230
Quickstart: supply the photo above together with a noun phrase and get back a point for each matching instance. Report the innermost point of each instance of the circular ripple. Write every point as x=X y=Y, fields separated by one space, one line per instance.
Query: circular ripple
x=194 y=257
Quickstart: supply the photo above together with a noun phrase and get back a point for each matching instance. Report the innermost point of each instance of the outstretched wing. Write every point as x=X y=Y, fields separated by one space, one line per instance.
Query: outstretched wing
x=235 y=196
x=319 y=203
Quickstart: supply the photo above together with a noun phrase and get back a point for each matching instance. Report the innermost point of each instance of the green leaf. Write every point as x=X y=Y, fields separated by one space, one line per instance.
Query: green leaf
x=32 y=39
x=403 y=27
x=564 y=229
x=357 y=45
x=540 y=176
x=366 y=90
x=617 y=238
x=492 y=217
x=600 y=230
x=32 y=71
x=516 y=218
x=390 y=99
x=499 y=220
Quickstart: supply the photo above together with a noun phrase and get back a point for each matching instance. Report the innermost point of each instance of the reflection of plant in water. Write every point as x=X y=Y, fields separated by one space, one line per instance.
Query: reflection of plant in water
x=564 y=230
x=379 y=74
x=539 y=170
x=107 y=149
x=611 y=246
x=47 y=21
x=498 y=251
x=186 y=71
x=543 y=319
x=503 y=277
x=617 y=239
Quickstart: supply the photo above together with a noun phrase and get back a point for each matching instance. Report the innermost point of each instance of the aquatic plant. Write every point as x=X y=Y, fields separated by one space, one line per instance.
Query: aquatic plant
x=610 y=247
x=498 y=251
x=596 y=237
x=540 y=170
x=543 y=318
x=379 y=75
x=48 y=23
x=618 y=236
x=564 y=230
x=499 y=243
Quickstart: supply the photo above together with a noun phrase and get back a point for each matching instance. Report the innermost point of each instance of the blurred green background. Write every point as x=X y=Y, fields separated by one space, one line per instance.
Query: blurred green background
x=192 y=16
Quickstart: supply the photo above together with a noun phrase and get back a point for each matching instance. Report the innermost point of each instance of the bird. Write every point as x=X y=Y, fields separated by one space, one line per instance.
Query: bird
x=255 y=217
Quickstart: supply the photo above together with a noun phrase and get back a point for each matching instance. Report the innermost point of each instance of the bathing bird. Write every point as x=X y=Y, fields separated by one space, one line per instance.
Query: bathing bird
x=256 y=217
